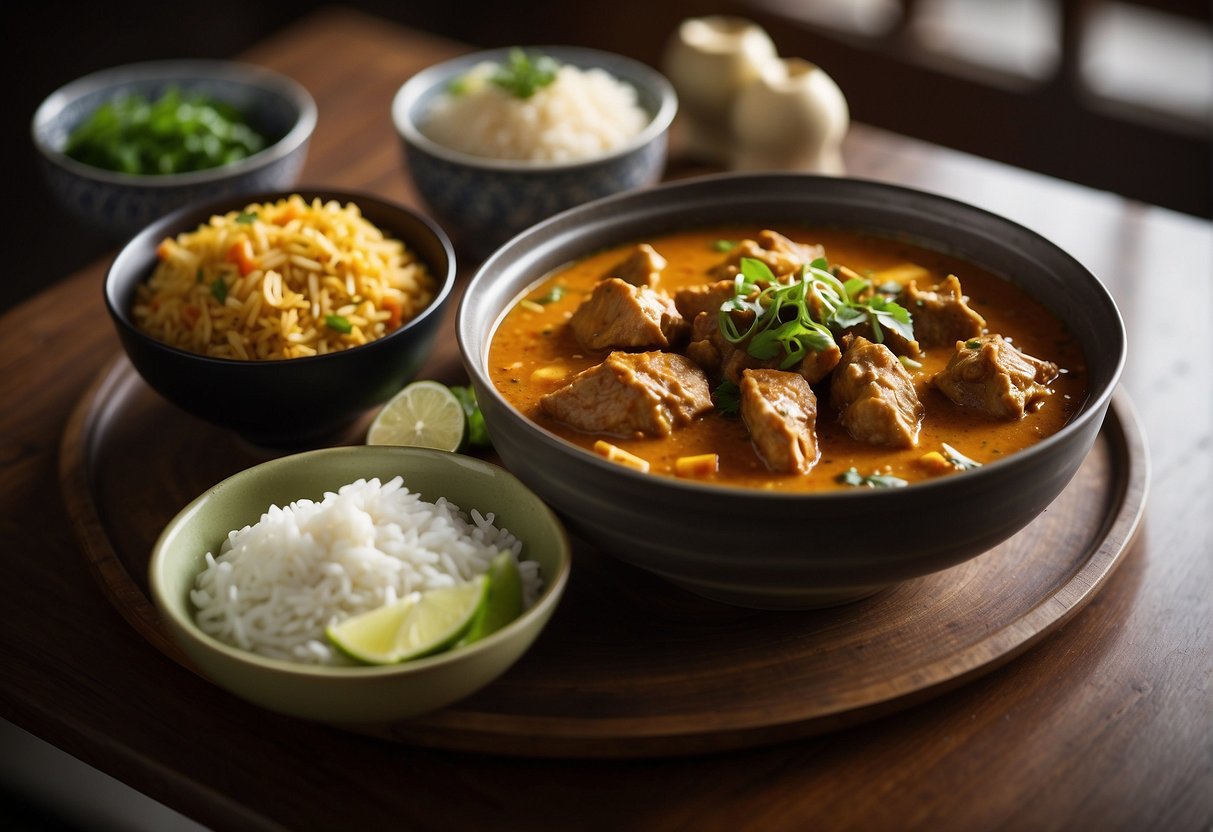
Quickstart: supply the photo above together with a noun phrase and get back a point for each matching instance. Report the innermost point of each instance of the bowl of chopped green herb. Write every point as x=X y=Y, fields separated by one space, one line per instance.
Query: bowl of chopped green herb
x=497 y=141
x=124 y=146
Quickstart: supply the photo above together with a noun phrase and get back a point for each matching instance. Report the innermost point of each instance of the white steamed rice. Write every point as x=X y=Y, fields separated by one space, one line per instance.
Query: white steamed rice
x=277 y=584
x=583 y=113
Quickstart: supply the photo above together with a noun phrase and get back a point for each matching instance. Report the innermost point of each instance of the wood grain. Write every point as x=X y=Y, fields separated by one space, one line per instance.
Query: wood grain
x=1106 y=724
x=630 y=665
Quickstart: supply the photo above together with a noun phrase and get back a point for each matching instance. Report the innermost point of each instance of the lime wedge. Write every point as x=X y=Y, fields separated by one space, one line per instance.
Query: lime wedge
x=504 y=601
x=371 y=636
x=440 y=619
x=410 y=629
x=425 y=414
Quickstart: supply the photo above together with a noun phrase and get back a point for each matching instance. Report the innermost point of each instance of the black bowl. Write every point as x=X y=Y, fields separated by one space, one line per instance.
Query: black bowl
x=290 y=403
x=783 y=550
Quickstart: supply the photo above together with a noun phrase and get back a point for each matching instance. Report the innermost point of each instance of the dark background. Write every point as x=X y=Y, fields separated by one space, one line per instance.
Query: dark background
x=51 y=43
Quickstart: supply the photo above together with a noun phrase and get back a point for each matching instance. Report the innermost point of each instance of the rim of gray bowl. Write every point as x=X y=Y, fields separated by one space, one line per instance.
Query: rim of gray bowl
x=422 y=85
x=247 y=74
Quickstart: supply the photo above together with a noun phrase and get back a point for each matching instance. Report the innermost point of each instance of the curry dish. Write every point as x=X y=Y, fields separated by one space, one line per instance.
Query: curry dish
x=819 y=360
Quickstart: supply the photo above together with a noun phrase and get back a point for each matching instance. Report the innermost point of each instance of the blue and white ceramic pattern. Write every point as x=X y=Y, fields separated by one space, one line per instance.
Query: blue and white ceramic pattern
x=121 y=204
x=484 y=202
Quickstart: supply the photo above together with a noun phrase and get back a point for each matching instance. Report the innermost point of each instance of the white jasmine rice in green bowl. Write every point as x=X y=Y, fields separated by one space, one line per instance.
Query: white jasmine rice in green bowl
x=276 y=585
x=373 y=521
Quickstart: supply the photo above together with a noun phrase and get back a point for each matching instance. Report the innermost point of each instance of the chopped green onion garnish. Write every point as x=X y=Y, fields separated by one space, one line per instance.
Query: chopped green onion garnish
x=246 y=217
x=338 y=323
x=803 y=314
x=219 y=290
x=724 y=245
x=552 y=295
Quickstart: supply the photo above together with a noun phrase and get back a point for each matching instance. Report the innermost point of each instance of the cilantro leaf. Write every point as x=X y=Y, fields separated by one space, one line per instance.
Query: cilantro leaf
x=727 y=397
x=522 y=76
x=783 y=320
x=853 y=478
x=804 y=311
x=552 y=295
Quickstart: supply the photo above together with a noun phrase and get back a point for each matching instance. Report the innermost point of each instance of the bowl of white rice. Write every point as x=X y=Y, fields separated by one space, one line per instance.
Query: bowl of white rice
x=498 y=140
x=248 y=577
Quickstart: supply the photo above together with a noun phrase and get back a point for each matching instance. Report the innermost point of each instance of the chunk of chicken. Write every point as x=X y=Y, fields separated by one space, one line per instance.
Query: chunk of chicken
x=632 y=394
x=990 y=374
x=941 y=314
x=782 y=256
x=875 y=396
x=640 y=268
x=780 y=411
x=891 y=338
x=618 y=315
x=703 y=349
x=813 y=367
x=705 y=298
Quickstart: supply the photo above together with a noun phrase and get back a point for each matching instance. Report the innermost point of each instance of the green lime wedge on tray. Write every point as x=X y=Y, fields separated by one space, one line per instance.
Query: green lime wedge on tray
x=410 y=629
x=425 y=414
x=504 y=601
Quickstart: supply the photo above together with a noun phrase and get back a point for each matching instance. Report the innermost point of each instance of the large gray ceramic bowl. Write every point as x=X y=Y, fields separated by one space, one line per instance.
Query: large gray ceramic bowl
x=783 y=550
x=120 y=204
x=354 y=694
x=291 y=403
x=483 y=202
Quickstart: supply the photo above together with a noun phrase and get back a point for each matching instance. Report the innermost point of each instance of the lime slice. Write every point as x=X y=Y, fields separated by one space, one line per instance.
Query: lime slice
x=504 y=602
x=410 y=629
x=424 y=414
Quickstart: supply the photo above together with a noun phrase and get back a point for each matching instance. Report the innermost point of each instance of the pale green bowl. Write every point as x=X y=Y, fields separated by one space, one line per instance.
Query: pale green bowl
x=355 y=694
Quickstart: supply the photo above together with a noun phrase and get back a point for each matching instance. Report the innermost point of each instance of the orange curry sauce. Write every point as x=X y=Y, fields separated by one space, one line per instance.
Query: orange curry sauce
x=533 y=352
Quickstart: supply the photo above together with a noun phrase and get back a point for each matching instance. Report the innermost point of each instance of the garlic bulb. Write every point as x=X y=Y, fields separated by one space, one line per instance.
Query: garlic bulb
x=709 y=60
x=792 y=117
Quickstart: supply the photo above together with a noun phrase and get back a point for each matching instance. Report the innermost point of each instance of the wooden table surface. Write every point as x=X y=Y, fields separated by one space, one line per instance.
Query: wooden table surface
x=1107 y=724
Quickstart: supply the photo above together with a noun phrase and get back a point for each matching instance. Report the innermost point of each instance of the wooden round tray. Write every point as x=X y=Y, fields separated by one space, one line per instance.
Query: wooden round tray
x=630 y=665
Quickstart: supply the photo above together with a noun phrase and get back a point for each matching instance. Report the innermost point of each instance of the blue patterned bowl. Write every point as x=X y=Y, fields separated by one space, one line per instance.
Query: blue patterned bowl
x=482 y=202
x=120 y=204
